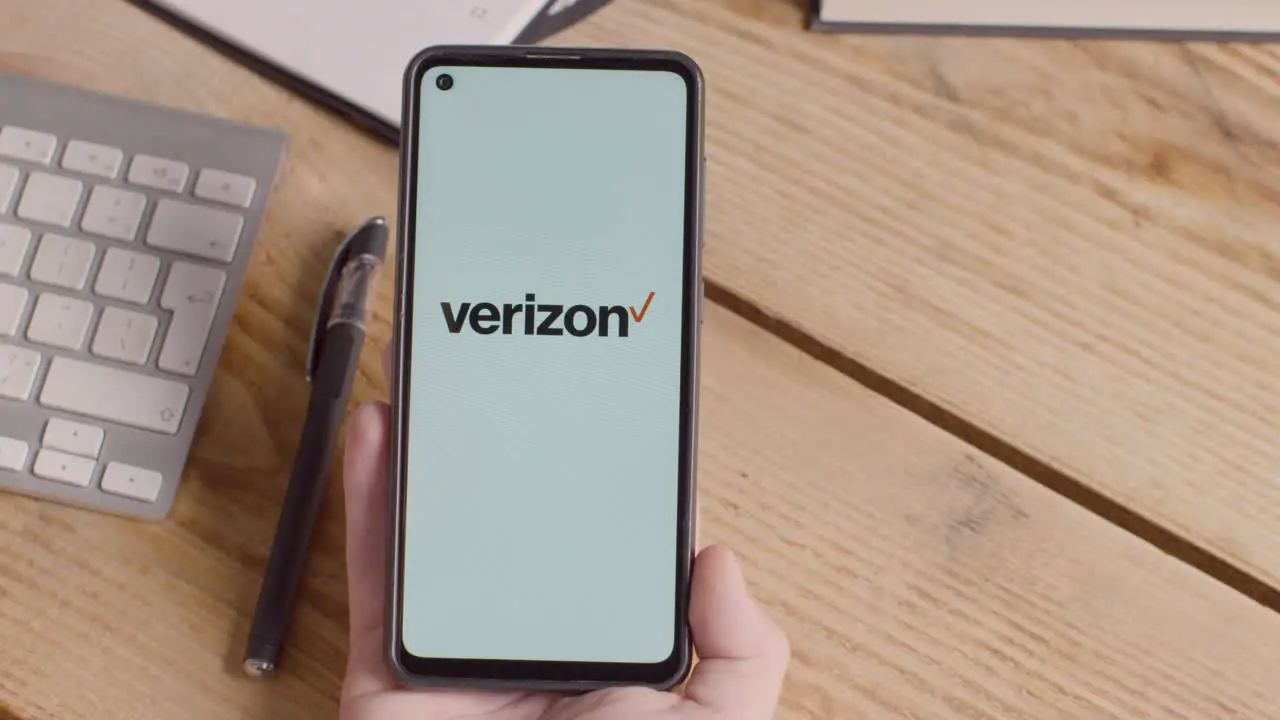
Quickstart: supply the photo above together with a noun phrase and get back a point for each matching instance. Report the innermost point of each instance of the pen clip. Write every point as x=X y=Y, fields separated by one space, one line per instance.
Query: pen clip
x=325 y=307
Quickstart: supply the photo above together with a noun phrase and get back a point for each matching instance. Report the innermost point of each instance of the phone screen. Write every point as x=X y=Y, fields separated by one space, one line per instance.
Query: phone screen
x=547 y=369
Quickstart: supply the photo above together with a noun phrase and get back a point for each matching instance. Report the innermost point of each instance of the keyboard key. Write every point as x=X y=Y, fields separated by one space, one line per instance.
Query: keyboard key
x=192 y=292
x=50 y=199
x=92 y=159
x=14 y=241
x=132 y=482
x=18 y=368
x=195 y=230
x=13 y=454
x=29 y=145
x=127 y=276
x=113 y=213
x=113 y=395
x=8 y=181
x=64 y=468
x=158 y=173
x=224 y=187
x=125 y=336
x=62 y=261
x=13 y=300
x=59 y=321
x=72 y=437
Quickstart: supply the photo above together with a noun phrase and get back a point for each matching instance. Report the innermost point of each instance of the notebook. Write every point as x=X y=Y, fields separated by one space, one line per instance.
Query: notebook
x=350 y=55
x=1211 y=19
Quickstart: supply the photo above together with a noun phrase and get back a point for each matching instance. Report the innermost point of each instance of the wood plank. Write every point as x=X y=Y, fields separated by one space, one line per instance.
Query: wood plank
x=920 y=578
x=916 y=576
x=1070 y=245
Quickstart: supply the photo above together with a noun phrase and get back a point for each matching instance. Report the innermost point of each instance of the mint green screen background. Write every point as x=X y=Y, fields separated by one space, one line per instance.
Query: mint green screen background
x=543 y=472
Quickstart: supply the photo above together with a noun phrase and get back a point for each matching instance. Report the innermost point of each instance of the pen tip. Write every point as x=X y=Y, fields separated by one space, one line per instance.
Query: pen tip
x=258 y=668
x=375 y=237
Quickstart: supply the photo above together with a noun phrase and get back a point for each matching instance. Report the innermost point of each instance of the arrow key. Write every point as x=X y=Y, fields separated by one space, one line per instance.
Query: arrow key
x=132 y=482
x=64 y=468
x=72 y=437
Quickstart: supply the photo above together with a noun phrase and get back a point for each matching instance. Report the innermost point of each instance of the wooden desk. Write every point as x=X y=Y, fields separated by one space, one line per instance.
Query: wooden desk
x=922 y=215
x=1064 y=250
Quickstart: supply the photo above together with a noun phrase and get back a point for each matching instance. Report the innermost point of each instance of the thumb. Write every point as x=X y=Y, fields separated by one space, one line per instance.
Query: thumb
x=743 y=654
x=365 y=480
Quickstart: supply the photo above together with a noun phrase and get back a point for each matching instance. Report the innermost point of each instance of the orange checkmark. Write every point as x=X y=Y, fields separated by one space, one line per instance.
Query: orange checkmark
x=640 y=315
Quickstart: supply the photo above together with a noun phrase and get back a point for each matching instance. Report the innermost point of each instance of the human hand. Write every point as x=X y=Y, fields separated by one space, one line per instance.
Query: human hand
x=743 y=653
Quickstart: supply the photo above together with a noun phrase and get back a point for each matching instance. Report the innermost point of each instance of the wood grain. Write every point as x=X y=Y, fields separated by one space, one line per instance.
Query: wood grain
x=1069 y=245
x=916 y=576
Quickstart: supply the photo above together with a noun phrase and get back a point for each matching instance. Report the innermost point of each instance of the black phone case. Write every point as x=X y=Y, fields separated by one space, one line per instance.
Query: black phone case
x=460 y=55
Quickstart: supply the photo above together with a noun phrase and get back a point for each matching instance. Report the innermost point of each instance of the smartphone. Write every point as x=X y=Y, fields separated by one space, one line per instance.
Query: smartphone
x=545 y=368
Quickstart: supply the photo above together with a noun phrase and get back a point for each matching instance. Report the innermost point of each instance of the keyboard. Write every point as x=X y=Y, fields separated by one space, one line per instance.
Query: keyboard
x=125 y=233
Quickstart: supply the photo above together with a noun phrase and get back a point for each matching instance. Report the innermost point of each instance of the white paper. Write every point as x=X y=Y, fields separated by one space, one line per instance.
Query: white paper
x=1213 y=16
x=356 y=49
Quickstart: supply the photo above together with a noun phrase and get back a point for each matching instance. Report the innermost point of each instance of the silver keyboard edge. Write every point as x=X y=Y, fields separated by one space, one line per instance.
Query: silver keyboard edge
x=201 y=141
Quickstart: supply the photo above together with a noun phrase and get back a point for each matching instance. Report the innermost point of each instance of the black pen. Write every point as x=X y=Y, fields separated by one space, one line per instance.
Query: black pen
x=336 y=341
